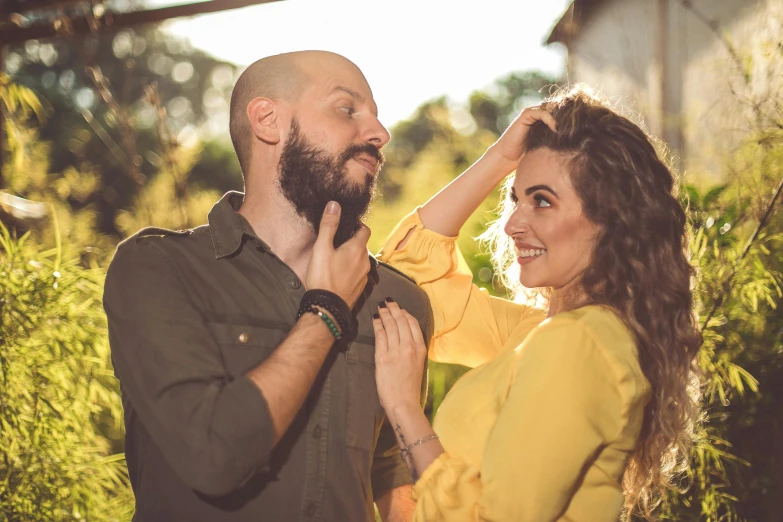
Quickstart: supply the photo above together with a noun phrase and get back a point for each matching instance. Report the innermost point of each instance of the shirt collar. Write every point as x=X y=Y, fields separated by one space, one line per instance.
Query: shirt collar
x=228 y=227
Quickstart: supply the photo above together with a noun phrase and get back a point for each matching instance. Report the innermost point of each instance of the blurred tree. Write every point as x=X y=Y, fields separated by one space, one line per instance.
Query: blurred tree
x=100 y=121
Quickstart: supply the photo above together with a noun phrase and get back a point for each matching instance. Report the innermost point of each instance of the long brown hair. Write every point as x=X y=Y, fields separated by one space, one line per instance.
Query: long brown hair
x=639 y=268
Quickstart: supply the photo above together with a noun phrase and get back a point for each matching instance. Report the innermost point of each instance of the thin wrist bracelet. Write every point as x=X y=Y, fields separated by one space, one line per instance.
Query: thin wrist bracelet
x=326 y=319
x=407 y=449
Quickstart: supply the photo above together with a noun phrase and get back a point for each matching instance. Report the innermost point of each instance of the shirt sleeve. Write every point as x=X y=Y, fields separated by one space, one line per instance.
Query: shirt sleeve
x=470 y=326
x=214 y=432
x=568 y=399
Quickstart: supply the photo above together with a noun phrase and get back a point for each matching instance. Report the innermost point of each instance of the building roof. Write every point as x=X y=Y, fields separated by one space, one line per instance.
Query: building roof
x=572 y=20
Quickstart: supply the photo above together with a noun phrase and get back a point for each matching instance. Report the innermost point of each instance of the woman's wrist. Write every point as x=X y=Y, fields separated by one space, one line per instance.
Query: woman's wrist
x=498 y=163
x=404 y=410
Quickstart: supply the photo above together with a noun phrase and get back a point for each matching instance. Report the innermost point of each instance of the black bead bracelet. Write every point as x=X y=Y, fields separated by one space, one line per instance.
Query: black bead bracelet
x=333 y=304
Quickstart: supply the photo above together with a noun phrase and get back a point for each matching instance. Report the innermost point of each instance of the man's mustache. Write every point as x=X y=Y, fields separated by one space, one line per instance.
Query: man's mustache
x=365 y=148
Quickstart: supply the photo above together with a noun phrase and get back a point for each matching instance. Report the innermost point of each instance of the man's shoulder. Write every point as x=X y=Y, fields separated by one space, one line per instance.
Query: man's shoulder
x=399 y=283
x=155 y=245
x=408 y=294
x=160 y=235
x=390 y=271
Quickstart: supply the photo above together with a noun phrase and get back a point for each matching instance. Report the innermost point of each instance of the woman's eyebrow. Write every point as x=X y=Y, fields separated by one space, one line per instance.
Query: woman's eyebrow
x=532 y=189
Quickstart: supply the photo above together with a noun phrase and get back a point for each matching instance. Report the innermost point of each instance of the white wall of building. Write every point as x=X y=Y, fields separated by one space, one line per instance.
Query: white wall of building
x=664 y=62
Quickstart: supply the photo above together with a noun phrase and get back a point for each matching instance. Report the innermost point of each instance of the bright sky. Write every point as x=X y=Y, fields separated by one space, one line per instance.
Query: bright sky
x=409 y=50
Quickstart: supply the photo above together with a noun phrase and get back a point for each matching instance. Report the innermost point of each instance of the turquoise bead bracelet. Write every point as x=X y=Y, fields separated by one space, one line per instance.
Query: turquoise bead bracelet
x=326 y=319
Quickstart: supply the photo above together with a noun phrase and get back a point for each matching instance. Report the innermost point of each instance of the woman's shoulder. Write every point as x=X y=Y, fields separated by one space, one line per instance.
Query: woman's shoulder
x=602 y=329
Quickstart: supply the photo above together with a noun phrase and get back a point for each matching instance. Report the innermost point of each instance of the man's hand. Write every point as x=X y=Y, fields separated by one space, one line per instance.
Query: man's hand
x=340 y=270
x=397 y=505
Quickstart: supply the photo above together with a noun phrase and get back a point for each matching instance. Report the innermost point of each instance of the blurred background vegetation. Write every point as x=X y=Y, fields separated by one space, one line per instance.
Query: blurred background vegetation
x=107 y=134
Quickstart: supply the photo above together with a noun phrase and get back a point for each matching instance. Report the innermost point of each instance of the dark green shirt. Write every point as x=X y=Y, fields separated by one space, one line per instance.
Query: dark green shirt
x=190 y=312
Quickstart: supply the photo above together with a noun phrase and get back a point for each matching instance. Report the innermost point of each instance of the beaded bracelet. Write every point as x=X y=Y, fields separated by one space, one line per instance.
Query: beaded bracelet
x=333 y=304
x=328 y=320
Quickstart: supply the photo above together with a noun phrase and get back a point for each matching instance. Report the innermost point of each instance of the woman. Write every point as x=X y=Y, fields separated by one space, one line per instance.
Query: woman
x=577 y=413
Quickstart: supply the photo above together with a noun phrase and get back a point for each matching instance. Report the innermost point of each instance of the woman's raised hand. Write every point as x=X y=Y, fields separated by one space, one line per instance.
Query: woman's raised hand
x=400 y=355
x=511 y=145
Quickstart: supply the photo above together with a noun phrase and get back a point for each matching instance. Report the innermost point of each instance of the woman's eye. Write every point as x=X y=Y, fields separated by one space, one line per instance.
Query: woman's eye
x=541 y=201
x=348 y=110
x=514 y=200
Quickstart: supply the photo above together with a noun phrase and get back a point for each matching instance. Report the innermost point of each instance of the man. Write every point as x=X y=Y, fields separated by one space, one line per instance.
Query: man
x=236 y=410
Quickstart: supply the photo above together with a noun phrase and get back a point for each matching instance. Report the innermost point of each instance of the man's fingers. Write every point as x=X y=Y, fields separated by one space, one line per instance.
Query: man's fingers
x=329 y=223
x=362 y=235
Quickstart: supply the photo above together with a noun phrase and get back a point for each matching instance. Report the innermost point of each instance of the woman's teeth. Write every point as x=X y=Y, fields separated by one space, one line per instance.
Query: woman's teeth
x=530 y=253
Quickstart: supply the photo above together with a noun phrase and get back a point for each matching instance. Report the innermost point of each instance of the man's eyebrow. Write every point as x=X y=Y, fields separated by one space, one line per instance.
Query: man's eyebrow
x=532 y=189
x=355 y=95
x=350 y=92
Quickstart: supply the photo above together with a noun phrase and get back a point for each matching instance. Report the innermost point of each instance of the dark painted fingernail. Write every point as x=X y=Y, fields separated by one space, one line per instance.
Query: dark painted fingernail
x=376 y=315
x=389 y=300
x=382 y=304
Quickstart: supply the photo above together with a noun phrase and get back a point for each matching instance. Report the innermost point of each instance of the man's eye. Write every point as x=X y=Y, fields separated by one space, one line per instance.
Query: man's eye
x=541 y=201
x=348 y=110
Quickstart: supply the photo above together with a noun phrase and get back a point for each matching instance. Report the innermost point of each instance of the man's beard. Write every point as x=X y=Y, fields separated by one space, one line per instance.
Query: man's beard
x=311 y=177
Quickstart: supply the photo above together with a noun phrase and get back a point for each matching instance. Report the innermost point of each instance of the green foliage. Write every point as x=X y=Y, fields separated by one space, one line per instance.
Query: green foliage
x=95 y=92
x=56 y=388
x=738 y=249
x=17 y=105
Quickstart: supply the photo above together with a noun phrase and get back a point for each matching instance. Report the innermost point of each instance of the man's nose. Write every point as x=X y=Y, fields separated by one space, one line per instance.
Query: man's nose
x=376 y=134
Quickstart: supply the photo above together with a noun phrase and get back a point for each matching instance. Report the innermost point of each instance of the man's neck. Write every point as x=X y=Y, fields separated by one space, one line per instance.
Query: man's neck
x=274 y=220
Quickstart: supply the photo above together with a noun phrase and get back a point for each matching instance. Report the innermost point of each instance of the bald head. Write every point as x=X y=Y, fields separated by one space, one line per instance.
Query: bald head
x=283 y=77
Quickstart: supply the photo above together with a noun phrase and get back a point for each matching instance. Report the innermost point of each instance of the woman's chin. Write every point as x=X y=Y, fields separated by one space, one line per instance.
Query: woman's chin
x=531 y=282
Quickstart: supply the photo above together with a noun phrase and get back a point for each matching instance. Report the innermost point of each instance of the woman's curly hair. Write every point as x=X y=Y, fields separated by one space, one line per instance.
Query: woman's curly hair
x=639 y=268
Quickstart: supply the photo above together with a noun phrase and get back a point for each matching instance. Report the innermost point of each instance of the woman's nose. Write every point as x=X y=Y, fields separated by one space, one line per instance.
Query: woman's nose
x=516 y=224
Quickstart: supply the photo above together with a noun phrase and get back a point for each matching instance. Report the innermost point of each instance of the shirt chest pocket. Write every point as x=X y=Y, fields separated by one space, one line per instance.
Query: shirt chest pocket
x=243 y=347
x=365 y=414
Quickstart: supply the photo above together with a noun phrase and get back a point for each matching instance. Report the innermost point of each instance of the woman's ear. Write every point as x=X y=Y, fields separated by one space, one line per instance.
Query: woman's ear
x=264 y=121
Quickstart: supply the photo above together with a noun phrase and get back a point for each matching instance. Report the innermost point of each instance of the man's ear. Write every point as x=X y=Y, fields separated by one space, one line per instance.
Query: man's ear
x=264 y=120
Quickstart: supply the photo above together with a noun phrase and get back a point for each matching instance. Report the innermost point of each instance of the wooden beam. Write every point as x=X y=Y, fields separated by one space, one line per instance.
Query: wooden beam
x=113 y=21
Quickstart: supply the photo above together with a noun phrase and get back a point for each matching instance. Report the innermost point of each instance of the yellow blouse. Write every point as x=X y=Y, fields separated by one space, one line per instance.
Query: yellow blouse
x=542 y=427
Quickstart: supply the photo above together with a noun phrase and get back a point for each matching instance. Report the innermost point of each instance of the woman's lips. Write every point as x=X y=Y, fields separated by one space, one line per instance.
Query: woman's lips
x=527 y=260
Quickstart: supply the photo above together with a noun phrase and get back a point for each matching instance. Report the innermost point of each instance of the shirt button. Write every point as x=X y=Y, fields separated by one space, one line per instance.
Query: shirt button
x=294 y=283
x=317 y=432
x=244 y=338
x=310 y=509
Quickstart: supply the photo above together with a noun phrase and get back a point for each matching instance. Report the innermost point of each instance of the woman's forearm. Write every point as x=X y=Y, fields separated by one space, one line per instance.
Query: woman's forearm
x=448 y=210
x=411 y=426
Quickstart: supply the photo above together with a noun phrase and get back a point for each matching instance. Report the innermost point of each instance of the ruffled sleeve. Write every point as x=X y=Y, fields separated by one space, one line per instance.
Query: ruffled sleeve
x=449 y=489
x=471 y=326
